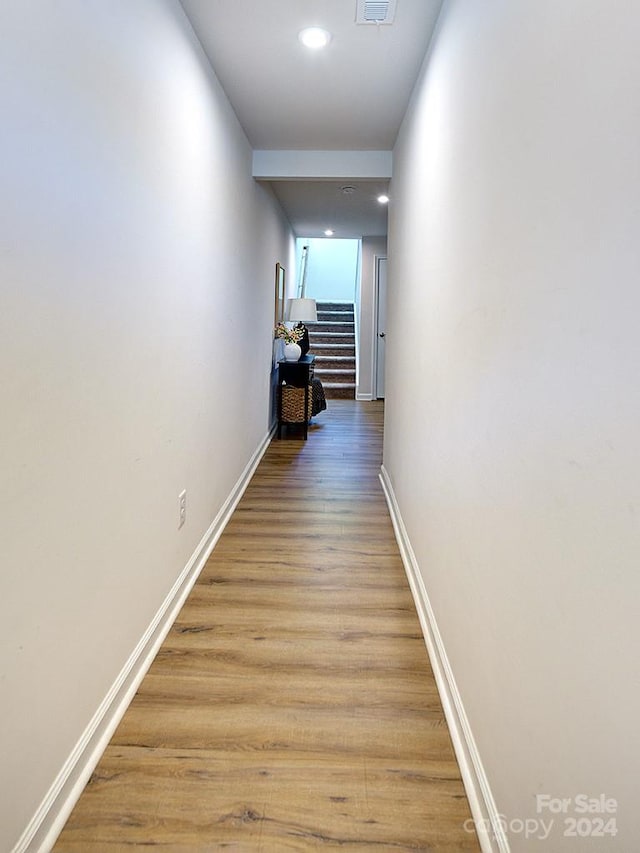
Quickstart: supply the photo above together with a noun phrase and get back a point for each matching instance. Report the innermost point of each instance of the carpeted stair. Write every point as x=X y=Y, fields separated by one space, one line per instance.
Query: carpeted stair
x=332 y=341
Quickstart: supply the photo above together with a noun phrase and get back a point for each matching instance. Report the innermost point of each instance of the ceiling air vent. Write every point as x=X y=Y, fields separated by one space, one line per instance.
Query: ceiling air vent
x=375 y=11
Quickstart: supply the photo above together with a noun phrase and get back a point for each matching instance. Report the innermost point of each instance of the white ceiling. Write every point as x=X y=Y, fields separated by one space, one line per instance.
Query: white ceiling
x=350 y=96
x=313 y=206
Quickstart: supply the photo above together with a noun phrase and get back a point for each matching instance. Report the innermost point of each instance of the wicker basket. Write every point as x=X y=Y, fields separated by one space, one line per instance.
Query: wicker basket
x=292 y=404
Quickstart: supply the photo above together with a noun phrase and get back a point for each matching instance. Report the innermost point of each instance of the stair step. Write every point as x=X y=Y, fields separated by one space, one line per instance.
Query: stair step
x=331 y=351
x=329 y=326
x=339 y=345
x=328 y=347
x=333 y=365
x=335 y=378
x=333 y=336
x=334 y=306
x=335 y=361
x=341 y=391
x=333 y=316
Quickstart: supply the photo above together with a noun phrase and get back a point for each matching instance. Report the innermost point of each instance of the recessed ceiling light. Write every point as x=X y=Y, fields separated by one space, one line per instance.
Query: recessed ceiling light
x=383 y=199
x=328 y=233
x=314 y=37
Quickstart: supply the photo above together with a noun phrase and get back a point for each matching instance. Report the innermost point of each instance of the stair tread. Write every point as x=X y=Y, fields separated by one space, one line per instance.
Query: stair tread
x=334 y=317
x=330 y=334
x=334 y=345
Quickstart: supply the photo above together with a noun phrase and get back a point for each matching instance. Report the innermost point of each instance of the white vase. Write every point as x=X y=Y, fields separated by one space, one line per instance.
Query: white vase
x=292 y=352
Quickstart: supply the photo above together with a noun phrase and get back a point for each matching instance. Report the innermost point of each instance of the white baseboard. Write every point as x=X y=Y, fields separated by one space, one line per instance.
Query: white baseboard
x=53 y=812
x=485 y=814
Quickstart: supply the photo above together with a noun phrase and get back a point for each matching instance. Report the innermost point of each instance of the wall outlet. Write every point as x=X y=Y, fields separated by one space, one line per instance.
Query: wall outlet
x=182 y=508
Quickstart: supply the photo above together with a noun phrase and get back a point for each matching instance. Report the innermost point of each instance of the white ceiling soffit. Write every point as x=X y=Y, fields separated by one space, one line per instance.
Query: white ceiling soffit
x=375 y=11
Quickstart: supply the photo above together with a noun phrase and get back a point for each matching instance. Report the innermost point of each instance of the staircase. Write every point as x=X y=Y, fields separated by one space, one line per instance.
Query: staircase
x=332 y=341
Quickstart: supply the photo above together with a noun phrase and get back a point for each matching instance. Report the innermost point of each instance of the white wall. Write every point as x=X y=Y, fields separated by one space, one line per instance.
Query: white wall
x=512 y=437
x=331 y=269
x=136 y=251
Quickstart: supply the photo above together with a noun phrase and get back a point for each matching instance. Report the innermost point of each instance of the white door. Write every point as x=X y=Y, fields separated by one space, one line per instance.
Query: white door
x=381 y=324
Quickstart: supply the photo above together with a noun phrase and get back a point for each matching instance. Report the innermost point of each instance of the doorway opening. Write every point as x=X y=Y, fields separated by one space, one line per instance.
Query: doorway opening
x=328 y=272
x=328 y=269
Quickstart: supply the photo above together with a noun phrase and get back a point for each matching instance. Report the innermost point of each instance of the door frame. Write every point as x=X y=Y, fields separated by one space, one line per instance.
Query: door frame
x=376 y=299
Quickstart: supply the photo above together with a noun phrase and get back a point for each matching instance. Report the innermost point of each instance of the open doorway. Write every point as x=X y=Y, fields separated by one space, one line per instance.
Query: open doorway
x=328 y=272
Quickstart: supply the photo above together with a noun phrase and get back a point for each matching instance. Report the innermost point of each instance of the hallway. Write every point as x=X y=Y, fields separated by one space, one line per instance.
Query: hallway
x=292 y=705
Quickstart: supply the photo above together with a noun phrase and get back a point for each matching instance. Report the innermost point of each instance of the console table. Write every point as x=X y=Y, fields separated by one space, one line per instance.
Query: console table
x=294 y=378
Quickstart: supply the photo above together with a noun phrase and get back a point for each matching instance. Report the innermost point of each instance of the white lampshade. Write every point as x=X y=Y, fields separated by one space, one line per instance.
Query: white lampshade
x=302 y=310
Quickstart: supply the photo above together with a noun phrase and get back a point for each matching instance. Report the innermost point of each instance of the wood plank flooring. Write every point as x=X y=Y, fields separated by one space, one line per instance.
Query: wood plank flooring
x=292 y=706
